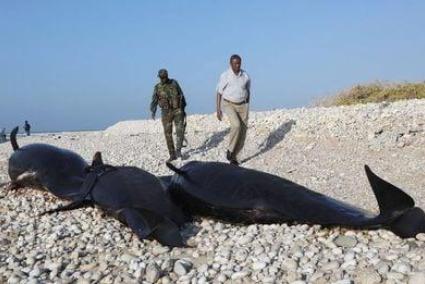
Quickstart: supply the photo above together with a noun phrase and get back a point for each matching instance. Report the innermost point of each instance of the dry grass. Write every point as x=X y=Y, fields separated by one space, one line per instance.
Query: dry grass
x=375 y=92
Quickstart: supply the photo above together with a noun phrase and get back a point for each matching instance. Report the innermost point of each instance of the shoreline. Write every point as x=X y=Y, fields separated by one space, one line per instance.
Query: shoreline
x=194 y=116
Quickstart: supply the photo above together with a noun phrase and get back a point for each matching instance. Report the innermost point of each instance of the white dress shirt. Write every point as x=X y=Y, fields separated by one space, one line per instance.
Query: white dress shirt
x=234 y=87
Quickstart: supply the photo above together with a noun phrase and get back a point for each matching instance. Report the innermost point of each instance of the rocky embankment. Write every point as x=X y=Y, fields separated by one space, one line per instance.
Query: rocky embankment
x=323 y=149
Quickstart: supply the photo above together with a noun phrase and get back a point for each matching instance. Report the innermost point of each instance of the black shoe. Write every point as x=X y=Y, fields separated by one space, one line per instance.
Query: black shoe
x=229 y=155
x=231 y=159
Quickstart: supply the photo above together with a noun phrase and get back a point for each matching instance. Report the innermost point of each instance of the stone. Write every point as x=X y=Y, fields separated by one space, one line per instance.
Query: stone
x=157 y=250
x=152 y=272
x=368 y=277
x=259 y=265
x=182 y=266
x=417 y=278
x=420 y=237
x=345 y=241
x=290 y=264
x=402 y=267
x=239 y=275
x=330 y=266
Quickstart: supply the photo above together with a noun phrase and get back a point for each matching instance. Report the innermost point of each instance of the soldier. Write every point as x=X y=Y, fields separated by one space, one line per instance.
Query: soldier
x=169 y=96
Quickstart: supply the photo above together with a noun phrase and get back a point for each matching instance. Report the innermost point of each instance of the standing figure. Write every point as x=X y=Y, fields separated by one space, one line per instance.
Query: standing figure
x=233 y=92
x=169 y=96
x=3 y=135
x=27 y=128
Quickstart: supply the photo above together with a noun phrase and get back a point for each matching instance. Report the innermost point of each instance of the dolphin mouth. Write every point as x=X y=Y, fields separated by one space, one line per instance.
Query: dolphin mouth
x=15 y=173
x=29 y=175
x=27 y=178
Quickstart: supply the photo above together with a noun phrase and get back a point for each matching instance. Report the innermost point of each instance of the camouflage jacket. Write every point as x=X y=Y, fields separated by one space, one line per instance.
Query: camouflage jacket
x=169 y=96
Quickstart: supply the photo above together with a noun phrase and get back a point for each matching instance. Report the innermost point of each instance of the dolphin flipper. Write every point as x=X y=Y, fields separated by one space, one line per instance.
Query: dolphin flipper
x=145 y=223
x=167 y=233
x=71 y=206
x=136 y=222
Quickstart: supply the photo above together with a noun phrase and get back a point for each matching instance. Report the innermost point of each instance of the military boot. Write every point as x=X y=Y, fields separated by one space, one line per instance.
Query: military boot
x=178 y=153
x=172 y=154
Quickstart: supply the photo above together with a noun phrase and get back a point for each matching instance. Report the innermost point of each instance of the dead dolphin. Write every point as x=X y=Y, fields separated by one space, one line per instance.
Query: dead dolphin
x=240 y=195
x=133 y=196
x=60 y=171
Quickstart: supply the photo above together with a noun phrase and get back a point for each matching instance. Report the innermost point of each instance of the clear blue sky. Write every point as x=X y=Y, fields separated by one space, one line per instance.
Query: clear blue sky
x=76 y=65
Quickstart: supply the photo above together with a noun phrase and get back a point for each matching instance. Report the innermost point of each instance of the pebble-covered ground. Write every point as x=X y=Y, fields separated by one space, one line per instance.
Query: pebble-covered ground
x=323 y=149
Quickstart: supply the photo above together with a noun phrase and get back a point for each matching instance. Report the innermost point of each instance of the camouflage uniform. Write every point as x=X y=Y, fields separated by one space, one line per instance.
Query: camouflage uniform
x=169 y=96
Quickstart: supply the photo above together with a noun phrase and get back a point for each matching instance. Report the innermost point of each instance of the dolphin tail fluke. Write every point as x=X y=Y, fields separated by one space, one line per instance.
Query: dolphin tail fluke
x=392 y=200
x=175 y=169
x=13 y=141
x=397 y=208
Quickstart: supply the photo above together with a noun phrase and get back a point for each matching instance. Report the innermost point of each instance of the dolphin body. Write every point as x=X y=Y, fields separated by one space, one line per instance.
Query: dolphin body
x=133 y=196
x=60 y=171
x=240 y=195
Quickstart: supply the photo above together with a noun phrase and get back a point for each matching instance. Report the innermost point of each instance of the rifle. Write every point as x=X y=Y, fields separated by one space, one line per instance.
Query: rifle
x=183 y=107
x=185 y=143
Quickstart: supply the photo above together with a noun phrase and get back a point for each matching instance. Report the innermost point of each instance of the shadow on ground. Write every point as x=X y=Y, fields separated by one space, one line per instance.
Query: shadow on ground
x=210 y=142
x=274 y=138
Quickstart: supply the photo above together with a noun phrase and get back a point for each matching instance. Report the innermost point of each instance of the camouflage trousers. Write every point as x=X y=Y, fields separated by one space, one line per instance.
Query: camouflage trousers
x=168 y=117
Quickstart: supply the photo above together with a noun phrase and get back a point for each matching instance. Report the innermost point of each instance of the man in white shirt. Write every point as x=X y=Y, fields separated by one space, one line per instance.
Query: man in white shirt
x=233 y=93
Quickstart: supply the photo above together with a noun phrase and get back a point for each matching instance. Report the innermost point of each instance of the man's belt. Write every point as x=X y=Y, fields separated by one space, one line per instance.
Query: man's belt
x=238 y=104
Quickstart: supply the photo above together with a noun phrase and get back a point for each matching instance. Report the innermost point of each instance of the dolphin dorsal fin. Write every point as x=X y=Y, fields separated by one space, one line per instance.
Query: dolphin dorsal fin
x=97 y=159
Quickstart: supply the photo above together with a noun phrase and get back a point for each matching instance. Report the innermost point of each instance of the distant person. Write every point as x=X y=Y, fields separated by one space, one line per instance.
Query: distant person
x=169 y=96
x=233 y=92
x=3 y=135
x=27 y=128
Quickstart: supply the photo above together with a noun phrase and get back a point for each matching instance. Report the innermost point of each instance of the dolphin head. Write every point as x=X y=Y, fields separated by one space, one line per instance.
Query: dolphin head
x=21 y=169
x=46 y=166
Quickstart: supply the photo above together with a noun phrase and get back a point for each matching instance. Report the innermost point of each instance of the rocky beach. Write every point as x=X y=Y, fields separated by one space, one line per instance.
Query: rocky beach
x=324 y=149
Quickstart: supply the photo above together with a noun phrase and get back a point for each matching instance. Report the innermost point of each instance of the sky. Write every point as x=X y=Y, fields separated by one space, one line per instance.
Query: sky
x=85 y=64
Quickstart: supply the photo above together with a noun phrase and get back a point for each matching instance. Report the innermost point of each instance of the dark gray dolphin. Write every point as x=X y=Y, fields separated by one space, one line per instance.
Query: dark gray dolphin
x=133 y=196
x=239 y=195
x=60 y=171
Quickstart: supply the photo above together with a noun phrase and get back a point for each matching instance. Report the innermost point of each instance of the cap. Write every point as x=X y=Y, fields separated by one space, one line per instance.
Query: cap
x=162 y=72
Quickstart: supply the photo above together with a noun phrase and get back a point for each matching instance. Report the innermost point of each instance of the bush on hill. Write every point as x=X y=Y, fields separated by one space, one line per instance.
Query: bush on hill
x=374 y=93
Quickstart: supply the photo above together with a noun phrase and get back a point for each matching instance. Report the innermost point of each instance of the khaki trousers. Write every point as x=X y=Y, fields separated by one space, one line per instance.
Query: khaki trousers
x=238 y=118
